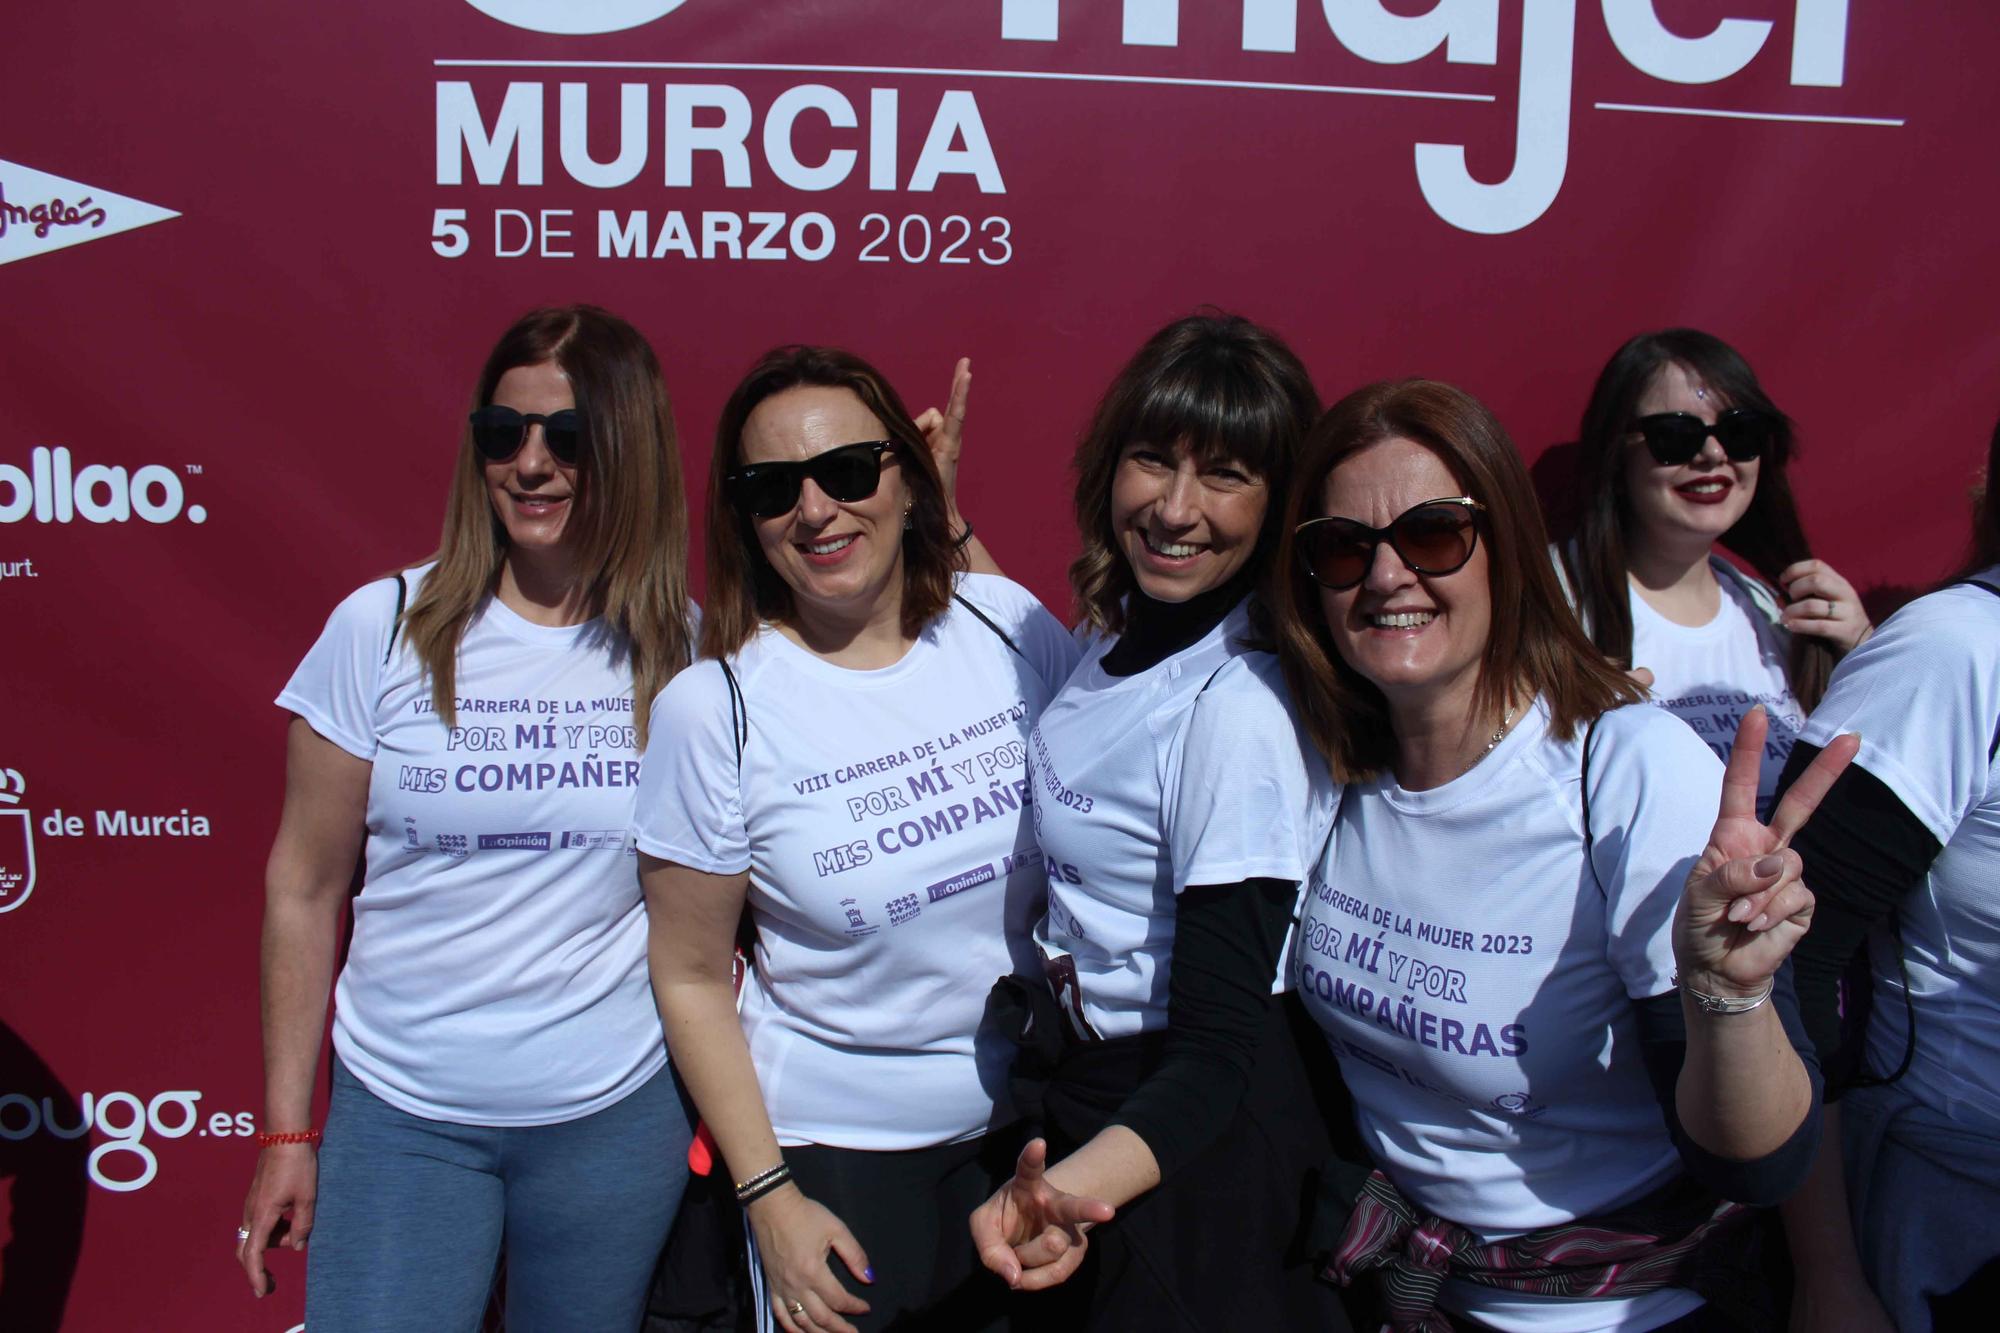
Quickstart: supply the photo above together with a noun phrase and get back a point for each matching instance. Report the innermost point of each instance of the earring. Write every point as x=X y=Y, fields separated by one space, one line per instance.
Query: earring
x=908 y=522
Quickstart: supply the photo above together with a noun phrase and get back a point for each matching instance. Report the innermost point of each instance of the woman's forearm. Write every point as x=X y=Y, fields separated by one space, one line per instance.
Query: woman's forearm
x=1743 y=1091
x=1115 y=1166
x=301 y=932
x=698 y=1013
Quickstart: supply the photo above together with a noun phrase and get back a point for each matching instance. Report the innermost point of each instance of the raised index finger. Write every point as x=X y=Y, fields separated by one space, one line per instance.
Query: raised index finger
x=1746 y=763
x=1811 y=787
x=961 y=390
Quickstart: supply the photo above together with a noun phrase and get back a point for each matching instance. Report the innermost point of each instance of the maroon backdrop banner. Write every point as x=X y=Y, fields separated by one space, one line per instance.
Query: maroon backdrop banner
x=251 y=256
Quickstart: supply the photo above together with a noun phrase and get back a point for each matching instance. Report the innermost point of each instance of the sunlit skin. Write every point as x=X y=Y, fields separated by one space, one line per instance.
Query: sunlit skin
x=532 y=495
x=1430 y=667
x=1678 y=513
x=842 y=561
x=1184 y=526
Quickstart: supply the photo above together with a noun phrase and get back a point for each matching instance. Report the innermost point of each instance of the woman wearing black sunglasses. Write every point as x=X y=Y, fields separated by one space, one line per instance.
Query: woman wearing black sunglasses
x=850 y=766
x=1177 y=815
x=1682 y=453
x=468 y=726
x=1552 y=1004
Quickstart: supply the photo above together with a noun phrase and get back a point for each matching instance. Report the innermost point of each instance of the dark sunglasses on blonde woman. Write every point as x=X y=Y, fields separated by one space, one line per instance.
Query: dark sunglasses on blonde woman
x=499 y=432
x=1674 y=438
x=1435 y=537
x=845 y=474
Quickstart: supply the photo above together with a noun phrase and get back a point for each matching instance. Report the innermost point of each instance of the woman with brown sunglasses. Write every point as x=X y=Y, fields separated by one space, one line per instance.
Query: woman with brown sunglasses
x=1561 y=1017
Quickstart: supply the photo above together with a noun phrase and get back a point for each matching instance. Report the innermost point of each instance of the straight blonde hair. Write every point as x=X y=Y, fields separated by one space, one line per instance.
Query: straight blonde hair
x=628 y=522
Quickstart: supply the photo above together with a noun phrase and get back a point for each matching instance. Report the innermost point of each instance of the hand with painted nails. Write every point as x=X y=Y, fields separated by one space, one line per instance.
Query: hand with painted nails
x=1031 y=1233
x=795 y=1239
x=1746 y=903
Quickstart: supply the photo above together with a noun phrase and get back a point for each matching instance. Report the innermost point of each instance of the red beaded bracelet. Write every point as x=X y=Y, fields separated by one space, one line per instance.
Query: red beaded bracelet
x=293 y=1136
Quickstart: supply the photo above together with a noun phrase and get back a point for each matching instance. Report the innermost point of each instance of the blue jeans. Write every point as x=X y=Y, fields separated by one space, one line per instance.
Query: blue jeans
x=413 y=1213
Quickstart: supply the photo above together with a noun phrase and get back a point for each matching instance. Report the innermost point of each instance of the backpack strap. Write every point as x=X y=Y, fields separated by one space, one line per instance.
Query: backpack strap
x=987 y=621
x=1589 y=837
x=739 y=715
x=396 y=622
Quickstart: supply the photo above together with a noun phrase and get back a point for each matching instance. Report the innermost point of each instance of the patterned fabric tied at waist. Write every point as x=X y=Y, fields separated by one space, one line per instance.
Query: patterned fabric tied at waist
x=1642 y=1247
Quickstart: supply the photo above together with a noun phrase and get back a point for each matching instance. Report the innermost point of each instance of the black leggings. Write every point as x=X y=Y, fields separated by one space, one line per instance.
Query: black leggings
x=910 y=1210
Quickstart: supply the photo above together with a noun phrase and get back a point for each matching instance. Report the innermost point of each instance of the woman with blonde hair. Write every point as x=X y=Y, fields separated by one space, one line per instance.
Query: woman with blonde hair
x=469 y=726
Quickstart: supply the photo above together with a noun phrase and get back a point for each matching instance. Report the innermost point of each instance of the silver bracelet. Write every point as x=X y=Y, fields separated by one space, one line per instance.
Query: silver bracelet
x=764 y=1182
x=1726 y=1004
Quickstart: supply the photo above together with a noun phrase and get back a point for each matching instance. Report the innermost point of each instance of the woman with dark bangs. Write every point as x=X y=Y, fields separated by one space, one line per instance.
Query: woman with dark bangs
x=847 y=761
x=498 y=1075
x=1549 y=1001
x=1905 y=857
x=1681 y=453
x=1176 y=817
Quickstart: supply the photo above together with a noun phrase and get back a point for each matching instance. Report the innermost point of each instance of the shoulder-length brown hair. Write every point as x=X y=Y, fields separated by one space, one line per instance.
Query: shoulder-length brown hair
x=1535 y=643
x=627 y=524
x=1768 y=537
x=1214 y=383
x=743 y=589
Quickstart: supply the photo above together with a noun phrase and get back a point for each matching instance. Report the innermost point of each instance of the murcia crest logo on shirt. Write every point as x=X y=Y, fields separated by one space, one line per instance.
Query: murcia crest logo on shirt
x=40 y=212
x=857 y=925
x=17 y=842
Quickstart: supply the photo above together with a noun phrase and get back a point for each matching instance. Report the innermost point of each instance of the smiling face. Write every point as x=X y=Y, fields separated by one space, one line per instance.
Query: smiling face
x=1418 y=638
x=841 y=560
x=1704 y=497
x=531 y=493
x=1184 y=526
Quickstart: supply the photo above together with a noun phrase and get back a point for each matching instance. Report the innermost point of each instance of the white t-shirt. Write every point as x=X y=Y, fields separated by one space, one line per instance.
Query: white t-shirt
x=1145 y=784
x=497 y=974
x=1924 y=693
x=1710 y=675
x=1477 y=982
x=882 y=817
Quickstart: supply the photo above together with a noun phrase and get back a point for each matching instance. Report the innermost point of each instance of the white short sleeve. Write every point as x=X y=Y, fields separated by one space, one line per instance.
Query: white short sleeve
x=337 y=687
x=1654 y=789
x=690 y=802
x=1924 y=692
x=1244 y=798
x=1049 y=648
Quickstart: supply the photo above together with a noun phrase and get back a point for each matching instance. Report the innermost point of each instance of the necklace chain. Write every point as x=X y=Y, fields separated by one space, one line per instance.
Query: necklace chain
x=1499 y=734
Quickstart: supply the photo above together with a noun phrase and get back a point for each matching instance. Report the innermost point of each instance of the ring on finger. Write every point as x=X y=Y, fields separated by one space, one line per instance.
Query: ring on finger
x=242 y=1234
x=798 y=1309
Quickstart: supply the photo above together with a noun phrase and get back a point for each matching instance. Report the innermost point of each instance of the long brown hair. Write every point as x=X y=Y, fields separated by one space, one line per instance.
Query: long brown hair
x=1217 y=384
x=1986 y=515
x=743 y=589
x=1768 y=537
x=628 y=522
x=1534 y=642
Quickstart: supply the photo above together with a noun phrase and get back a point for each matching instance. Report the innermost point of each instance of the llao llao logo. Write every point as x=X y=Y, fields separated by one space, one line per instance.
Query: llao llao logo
x=17 y=842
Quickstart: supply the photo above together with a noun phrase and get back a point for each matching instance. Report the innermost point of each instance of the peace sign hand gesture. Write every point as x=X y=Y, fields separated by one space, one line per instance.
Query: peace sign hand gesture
x=1746 y=904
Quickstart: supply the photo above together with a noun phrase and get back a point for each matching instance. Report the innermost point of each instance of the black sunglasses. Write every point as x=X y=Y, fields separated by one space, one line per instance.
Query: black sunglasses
x=848 y=473
x=499 y=432
x=1435 y=537
x=1674 y=438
